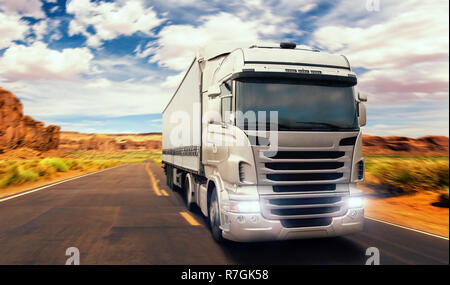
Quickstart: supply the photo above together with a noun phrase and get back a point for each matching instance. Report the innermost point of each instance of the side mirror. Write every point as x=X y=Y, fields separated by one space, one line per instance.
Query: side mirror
x=362 y=97
x=362 y=114
x=213 y=90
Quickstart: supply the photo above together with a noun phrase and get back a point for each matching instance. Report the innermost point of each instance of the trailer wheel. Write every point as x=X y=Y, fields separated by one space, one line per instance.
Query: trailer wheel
x=214 y=218
x=169 y=176
x=188 y=191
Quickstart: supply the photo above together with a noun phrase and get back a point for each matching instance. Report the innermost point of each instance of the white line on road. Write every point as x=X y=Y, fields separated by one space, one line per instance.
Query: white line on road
x=54 y=184
x=411 y=229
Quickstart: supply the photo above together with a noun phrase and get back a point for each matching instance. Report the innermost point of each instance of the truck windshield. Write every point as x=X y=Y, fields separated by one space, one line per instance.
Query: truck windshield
x=300 y=106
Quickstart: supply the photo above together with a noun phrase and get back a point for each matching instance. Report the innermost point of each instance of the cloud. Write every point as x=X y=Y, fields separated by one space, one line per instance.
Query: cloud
x=417 y=82
x=12 y=28
x=40 y=29
x=37 y=61
x=413 y=119
x=104 y=88
x=28 y=8
x=48 y=99
x=177 y=44
x=410 y=37
x=406 y=54
x=427 y=128
x=173 y=81
x=307 y=8
x=110 y=20
x=45 y=30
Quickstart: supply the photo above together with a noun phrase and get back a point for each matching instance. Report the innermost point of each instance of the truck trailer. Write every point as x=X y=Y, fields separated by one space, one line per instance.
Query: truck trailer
x=266 y=141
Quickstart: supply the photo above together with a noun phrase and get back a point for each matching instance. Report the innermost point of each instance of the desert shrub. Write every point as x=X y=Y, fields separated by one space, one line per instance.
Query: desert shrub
x=45 y=169
x=410 y=174
x=56 y=163
x=17 y=174
x=25 y=175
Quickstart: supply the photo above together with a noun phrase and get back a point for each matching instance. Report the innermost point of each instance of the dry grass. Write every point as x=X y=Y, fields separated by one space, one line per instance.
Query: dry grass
x=21 y=171
x=407 y=175
x=122 y=157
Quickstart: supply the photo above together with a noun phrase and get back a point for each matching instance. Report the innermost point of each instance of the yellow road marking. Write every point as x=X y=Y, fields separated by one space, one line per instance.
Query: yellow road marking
x=153 y=181
x=189 y=219
x=164 y=192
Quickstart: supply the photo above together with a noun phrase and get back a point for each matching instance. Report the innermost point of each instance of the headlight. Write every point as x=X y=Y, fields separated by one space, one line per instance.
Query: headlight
x=355 y=202
x=242 y=206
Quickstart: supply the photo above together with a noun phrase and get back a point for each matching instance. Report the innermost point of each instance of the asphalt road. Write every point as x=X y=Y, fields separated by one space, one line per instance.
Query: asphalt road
x=125 y=215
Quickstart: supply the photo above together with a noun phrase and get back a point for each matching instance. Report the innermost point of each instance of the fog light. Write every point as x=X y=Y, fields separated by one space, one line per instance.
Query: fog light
x=240 y=219
x=355 y=202
x=254 y=219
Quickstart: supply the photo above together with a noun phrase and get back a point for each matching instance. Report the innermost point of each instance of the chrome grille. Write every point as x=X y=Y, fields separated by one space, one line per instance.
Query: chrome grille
x=305 y=206
x=303 y=188
x=305 y=183
x=305 y=159
x=304 y=165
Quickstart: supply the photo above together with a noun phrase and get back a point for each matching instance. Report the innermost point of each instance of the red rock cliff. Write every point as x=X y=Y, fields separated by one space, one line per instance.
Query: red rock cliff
x=17 y=130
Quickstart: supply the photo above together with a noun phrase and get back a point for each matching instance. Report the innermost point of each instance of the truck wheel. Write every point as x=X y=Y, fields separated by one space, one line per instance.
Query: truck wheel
x=169 y=173
x=214 y=219
x=188 y=191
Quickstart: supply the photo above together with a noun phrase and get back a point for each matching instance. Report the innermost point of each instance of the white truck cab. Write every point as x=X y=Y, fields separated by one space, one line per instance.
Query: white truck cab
x=266 y=140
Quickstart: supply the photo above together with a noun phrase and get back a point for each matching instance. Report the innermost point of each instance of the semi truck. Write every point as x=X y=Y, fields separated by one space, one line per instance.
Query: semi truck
x=266 y=141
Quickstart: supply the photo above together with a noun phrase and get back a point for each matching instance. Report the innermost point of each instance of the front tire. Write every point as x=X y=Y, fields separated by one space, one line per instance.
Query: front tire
x=214 y=218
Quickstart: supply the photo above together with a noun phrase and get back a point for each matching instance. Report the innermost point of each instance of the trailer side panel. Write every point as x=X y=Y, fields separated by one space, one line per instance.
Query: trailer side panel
x=182 y=125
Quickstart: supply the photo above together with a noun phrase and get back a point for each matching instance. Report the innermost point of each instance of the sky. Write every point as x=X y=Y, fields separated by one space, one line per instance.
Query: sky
x=112 y=66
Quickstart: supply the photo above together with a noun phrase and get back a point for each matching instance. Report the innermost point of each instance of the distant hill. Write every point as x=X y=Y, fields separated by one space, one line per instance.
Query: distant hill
x=428 y=145
x=71 y=141
x=372 y=145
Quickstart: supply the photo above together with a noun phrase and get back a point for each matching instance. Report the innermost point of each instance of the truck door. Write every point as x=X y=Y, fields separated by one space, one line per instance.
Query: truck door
x=220 y=134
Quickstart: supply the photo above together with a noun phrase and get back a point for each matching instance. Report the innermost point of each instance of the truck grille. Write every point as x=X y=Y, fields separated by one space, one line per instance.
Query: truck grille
x=303 y=188
x=305 y=201
x=306 y=154
x=304 y=176
x=304 y=211
x=305 y=183
x=301 y=223
x=304 y=165
x=303 y=206
x=298 y=166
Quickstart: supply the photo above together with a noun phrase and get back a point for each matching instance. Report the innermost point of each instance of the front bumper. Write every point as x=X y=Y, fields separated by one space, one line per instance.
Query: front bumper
x=254 y=227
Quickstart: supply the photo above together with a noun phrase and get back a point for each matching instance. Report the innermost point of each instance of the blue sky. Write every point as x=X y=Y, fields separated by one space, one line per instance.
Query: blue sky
x=111 y=66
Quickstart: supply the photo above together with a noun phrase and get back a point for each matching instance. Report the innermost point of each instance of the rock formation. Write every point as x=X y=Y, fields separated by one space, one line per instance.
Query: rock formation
x=17 y=130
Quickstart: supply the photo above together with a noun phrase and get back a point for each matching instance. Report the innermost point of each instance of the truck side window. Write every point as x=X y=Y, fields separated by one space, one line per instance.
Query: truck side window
x=226 y=97
x=226 y=109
